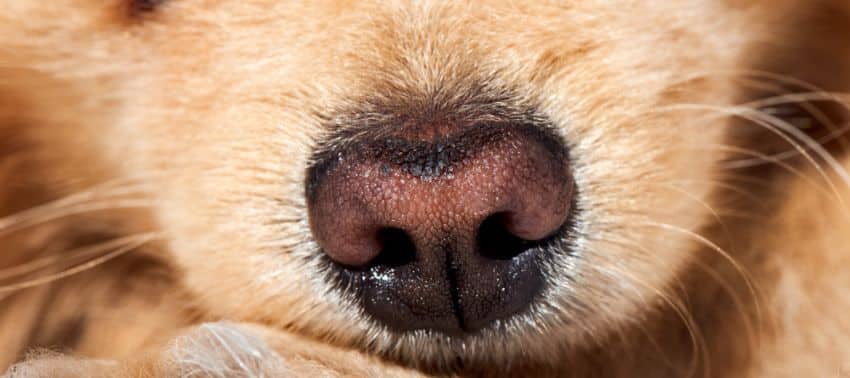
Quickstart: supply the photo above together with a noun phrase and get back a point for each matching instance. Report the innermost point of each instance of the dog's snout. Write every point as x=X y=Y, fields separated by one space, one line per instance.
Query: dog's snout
x=442 y=226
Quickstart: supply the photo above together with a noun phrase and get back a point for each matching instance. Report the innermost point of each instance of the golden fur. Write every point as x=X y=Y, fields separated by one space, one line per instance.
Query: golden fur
x=155 y=151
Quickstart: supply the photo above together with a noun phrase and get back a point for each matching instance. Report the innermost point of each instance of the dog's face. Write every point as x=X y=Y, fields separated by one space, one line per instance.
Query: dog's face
x=276 y=133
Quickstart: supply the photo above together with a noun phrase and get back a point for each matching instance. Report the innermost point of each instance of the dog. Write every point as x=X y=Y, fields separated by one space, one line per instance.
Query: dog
x=321 y=188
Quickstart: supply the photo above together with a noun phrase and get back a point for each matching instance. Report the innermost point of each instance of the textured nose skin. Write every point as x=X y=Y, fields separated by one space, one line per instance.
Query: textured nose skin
x=442 y=227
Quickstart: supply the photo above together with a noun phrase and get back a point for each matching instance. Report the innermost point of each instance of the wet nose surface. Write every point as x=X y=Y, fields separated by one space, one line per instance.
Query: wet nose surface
x=445 y=227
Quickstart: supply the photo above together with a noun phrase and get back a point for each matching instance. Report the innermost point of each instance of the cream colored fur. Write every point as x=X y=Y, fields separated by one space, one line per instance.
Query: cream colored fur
x=188 y=130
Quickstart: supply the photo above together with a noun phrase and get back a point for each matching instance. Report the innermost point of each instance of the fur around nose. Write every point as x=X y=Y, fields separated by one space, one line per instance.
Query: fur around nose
x=442 y=229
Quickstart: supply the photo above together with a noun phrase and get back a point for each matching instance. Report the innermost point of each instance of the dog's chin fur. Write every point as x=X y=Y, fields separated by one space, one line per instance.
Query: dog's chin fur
x=186 y=127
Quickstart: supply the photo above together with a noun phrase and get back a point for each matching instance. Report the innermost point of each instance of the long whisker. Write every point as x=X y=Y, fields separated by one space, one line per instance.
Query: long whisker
x=129 y=187
x=31 y=266
x=804 y=101
x=801 y=99
x=20 y=222
x=697 y=339
x=118 y=247
x=723 y=185
x=780 y=128
x=815 y=147
x=768 y=159
x=748 y=281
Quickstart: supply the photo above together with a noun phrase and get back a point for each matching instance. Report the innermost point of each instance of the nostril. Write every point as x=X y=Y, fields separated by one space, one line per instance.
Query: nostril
x=450 y=249
x=495 y=241
x=397 y=248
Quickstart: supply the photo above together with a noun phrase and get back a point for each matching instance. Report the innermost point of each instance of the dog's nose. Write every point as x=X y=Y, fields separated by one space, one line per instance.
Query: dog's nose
x=442 y=226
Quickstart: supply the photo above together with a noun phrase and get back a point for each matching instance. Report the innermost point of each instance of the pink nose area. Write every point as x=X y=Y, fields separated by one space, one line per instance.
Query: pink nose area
x=448 y=219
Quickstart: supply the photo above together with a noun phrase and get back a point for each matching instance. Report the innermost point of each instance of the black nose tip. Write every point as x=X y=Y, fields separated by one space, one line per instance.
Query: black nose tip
x=444 y=229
